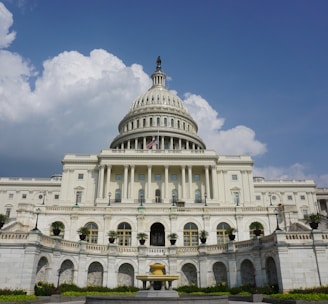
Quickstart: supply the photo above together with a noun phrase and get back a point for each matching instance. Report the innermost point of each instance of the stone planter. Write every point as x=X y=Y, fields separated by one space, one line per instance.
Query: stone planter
x=231 y=237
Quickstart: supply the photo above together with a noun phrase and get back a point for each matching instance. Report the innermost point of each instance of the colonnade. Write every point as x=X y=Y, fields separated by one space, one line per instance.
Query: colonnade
x=184 y=182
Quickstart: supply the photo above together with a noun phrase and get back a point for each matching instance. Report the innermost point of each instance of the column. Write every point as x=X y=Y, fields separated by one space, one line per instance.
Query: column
x=183 y=184
x=162 y=143
x=144 y=143
x=101 y=182
x=109 y=171
x=166 y=178
x=136 y=143
x=190 y=182
x=125 y=185
x=207 y=185
x=149 y=182
x=132 y=182
x=214 y=183
x=171 y=143
x=180 y=145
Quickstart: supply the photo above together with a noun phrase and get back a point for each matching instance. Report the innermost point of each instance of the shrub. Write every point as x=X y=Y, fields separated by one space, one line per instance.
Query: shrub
x=44 y=289
x=12 y=292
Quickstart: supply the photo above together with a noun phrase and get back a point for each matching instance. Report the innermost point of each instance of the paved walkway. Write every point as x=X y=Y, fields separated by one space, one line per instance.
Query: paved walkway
x=83 y=302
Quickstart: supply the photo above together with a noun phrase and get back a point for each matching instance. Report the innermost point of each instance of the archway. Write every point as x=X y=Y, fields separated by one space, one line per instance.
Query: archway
x=41 y=271
x=95 y=274
x=125 y=276
x=188 y=275
x=65 y=273
x=220 y=273
x=157 y=235
x=247 y=271
x=271 y=271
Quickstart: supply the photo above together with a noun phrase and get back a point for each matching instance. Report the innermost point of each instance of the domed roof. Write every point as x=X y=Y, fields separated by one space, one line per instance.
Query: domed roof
x=158 y=94
x=161 y=112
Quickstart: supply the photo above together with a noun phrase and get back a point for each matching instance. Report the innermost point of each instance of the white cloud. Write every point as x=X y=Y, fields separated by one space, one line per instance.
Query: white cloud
x=296 y=171
x=6 y=21
x=238 y=140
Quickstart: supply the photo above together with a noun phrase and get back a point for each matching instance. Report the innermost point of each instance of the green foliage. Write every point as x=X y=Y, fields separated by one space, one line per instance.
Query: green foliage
x=44 y=289
x=219 y=288
x=12 y=292
x=321 y=289
x=302 y=296
x=17 y=298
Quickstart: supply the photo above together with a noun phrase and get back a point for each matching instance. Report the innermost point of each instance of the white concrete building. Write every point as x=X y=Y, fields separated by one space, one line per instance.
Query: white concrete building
x=158 y=178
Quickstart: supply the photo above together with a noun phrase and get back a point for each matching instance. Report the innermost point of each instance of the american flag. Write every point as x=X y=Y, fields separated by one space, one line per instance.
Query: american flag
x=152 y=143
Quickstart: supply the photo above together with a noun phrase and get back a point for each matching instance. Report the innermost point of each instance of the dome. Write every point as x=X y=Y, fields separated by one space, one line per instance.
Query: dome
x=161 y=114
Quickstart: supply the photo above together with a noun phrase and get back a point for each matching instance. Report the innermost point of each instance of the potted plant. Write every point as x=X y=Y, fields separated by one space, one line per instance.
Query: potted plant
x=3 y=220
x=57 y=227
x=173 y=238
x=257 y=228
x=313 y=220
x=142 y=237
x=230 y=231
x=203 y=234
x=112 y=235
x=83 y=232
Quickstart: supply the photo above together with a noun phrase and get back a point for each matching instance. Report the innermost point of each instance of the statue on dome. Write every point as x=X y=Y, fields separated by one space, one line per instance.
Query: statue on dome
x=159 y=63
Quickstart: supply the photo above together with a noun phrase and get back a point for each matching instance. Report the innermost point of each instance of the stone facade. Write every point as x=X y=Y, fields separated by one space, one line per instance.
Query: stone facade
x=158 y=178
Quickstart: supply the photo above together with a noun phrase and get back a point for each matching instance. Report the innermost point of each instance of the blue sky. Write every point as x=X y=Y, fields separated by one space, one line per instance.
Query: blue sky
x=252 y=73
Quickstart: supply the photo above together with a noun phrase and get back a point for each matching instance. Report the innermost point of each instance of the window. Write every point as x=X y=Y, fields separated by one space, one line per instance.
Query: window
x=305 y=213
x=290 y=197
x=198 y=197
x=24 y=196
x=118 y=177
x=190 y=235
x=56 y=196
x=258 y=197
x=141 y=196
x=157 y=177
x=117 y=195
x=80 y=176
x=196 y=177
x=8 y=210
x=78 y=197
x=141 y=176
x=151 y=121
x=93 y=235
x=221 y=234
x=236 y=198
x=144 y=122
x=174 y=195
x=172 y=122
x=174 y=177
x=234 y=177
x=11 y=195
x=165 y=121
x=124 y=234
x=157 y=195
x=255 y=226
x=302 y=197
x=158 y=121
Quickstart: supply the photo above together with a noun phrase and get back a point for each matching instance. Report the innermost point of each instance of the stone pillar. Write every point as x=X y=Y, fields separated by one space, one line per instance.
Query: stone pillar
x=214 y=183
x=183 y=183
x=171 y=143
x=190 y=181
x=149 y=183
x=132 y=182
x=101 y=182
x=109 y=171
x=125 y=186
x=166 y=183
x=207 y=183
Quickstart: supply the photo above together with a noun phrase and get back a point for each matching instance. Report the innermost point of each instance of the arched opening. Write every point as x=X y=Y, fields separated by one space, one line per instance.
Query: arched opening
x=221 y=234
x=190 y=234
x=157 y=235
x=65 y=273
x=220 y=273
x=271 y=271
x=125 y=276
x=188 y=275
x=41 y=270
x=247 y=272
x=124 y=232
x=93 y=235
x=95 y=274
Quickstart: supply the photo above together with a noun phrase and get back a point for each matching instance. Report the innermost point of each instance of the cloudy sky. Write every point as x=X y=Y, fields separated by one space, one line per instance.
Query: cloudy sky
x=253 y=74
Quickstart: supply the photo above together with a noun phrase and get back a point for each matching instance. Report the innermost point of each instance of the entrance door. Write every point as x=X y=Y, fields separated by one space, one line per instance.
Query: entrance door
x=157 y=235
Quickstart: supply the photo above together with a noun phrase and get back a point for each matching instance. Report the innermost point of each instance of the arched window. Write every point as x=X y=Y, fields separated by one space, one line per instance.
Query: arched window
x=165 y=121
x=172 y=122
x=158 y=121
x=178 y=124
x=117 y=195
x=144 y=122
x=198 y=196
x=151 y=121
x=124 y=234
x=256 y=229
x=93 y=235
x=221 y=234
x=190 y=235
